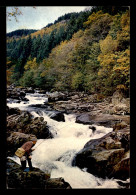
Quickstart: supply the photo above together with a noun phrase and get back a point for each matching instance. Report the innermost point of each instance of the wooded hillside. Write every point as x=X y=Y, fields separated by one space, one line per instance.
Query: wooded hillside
x=87 y=51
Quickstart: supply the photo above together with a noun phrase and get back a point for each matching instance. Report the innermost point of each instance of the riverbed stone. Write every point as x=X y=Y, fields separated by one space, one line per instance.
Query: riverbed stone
x=57 y=183
x=25 y=123
x=35 y=179
x=106 y=156
x=100 y=119
x=56 y=115
x=56 y=96
x=17 y=93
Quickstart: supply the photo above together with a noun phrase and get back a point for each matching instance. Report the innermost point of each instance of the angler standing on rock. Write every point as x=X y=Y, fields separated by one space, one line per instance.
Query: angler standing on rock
x=27 y=149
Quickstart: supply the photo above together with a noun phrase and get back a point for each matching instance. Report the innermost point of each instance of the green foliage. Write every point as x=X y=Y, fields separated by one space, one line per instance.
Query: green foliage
x=87 y=51
x=20 y=32
x=27 y=79
x=112 y=10
x=92 y=66
x=115 y=58
x=77 y=81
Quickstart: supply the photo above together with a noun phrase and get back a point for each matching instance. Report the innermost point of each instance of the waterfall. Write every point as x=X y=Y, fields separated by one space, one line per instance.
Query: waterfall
x=55 y=155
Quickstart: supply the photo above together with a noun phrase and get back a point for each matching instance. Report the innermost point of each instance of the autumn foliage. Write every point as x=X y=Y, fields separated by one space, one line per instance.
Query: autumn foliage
x=87 y=53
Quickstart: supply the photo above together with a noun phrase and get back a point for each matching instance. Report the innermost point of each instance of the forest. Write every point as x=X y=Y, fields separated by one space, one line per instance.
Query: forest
x=86 y=51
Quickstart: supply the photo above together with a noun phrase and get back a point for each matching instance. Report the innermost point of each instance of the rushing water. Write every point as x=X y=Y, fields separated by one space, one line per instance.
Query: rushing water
x=55 y=155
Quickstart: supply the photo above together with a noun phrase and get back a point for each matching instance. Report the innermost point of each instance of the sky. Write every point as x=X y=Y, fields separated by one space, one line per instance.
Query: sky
x=39 y=17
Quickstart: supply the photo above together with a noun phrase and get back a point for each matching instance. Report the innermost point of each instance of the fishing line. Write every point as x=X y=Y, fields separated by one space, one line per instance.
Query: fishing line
x=53 y=126
x=57 y=129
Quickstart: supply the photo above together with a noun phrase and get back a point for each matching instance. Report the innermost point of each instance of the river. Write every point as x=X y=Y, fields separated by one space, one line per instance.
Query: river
x=55 y=155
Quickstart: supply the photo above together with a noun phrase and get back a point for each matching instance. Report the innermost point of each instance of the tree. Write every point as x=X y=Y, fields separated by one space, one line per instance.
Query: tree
x=27 y=47
x=31 y=64
x=27 y=79
x=14 y=12
x=91 y=82
x=114 y=58
x=77 y=81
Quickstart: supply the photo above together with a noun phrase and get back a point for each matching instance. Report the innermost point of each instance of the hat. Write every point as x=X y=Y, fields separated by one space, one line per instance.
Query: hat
x=33 y=139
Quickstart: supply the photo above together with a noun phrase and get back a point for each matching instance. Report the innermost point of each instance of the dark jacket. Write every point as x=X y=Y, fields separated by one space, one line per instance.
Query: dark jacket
x=27 y=147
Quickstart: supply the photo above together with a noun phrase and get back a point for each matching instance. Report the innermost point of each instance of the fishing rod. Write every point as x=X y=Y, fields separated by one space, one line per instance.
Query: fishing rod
x=40 y=143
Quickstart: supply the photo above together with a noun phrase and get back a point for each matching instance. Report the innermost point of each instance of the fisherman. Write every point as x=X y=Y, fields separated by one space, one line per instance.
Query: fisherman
x=28 y=149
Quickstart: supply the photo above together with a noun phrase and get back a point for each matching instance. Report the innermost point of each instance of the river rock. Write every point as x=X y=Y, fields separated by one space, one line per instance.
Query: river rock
x=106 y=156
x=100 y=119
x=18 y=179
x=35 y=179
x=25 y=123
x=16 y=93
x=29 y=90
x=57 y=183
x=122 y=168
x=11 y=111
x=119 y=105
x=56 y=115
x=56 y=96
x=119 y=125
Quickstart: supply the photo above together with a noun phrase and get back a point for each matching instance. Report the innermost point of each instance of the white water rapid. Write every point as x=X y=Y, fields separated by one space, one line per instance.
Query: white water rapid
x=55 y=155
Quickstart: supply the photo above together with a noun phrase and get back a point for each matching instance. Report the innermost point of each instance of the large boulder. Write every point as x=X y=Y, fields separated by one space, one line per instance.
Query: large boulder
x=119 y=104
x=106 y=156
x=117 y=97
x=35 y=179
x=29 y=90
x=19 y=179
x=17 y=122
x=56 y=96
x=99 y=119
x=121 y=169
x=57 y=183
x=56 y=115
x=25 y=123
x=11 y=111
x=16 y=93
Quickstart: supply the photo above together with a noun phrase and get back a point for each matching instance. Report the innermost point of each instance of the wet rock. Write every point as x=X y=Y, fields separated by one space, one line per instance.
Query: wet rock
x=56 y=96
x=18 y=179
x=11 y=111
x=84 y=118
x=119 y=125
x=93 y=128
x=35 y=179
x=25 y=123
x=117 y=97
x=58 y=116
x=16 y=93
x=106 y=156
x=119 y=105
x=29 y=90
x=100 y=119
x=121 y=169
x=38 y=105
x=57 y=183
x=17 y=122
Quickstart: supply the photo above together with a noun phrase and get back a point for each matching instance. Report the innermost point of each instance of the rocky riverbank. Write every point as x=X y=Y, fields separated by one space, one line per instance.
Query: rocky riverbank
x=36 y=179
x=108 y=156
